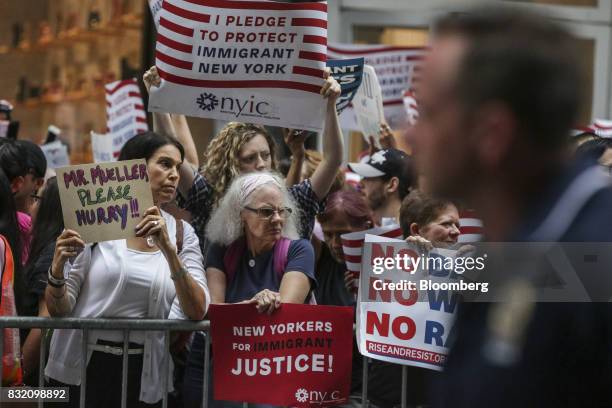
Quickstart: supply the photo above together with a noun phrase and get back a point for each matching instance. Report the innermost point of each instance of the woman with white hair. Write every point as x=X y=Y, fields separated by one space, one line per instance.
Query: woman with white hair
x=255 y=257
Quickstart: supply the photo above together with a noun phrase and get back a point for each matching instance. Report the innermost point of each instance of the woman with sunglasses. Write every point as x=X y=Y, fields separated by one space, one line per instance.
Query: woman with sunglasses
x=255 y=257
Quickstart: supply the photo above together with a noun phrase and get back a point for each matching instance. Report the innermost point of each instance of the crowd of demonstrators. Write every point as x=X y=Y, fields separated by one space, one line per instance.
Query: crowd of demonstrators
x=243 y=148
x=158 y=274
x=510 y=162
x=250 y=240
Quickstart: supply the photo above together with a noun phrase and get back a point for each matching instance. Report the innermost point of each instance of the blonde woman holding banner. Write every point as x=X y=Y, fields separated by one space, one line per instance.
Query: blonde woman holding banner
x=158 y=274
x=242 y=148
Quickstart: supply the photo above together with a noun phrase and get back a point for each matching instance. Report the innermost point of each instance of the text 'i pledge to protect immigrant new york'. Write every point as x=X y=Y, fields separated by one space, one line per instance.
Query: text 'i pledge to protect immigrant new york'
x=255 y=61
x=241 y=37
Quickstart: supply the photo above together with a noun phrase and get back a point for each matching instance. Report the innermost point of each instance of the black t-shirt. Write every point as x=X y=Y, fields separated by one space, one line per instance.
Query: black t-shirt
x=36 y=279
x=330 y=279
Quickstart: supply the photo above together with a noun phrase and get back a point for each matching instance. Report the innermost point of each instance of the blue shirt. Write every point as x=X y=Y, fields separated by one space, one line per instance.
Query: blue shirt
x=248 y=281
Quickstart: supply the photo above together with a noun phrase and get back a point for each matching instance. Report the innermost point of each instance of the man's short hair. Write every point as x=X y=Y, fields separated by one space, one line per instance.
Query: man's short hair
x=523 y=60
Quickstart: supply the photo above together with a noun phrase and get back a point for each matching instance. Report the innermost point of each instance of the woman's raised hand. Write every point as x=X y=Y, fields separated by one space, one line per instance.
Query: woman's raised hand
x=68 y=245
x=331 y=88
x=151 y=77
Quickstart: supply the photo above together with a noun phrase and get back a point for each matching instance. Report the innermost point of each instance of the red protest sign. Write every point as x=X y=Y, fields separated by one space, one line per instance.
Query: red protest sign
x=298 y=356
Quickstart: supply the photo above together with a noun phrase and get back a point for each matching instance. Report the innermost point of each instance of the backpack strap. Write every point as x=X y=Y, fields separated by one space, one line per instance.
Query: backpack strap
x=281 y=249
x=230 y=259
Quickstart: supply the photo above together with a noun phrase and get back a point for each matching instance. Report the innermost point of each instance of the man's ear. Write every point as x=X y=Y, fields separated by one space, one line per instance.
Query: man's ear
x=17 y=184
x=414 y=229
x=392 y=185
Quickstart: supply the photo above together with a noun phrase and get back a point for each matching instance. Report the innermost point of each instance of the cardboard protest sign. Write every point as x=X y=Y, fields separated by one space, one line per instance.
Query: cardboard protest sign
x=352 y=245
x=396 y=68
x=104 y=202
x=249 y=61
x=155 y=6
x=56 y=154
x=397 y=319
x=299 y=356
x=368 y=106
x=348 y=73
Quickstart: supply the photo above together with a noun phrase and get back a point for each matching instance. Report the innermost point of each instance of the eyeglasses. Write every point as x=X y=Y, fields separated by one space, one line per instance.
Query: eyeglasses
x=268 y=212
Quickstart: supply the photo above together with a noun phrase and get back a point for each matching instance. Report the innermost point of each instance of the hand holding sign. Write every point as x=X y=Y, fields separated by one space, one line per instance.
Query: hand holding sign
x=154 y=226
x=67 y=245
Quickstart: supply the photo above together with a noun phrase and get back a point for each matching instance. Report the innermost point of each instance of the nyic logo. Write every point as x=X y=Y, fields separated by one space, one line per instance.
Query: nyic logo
x=316 y=397
x=236 y=106
x=207 y=101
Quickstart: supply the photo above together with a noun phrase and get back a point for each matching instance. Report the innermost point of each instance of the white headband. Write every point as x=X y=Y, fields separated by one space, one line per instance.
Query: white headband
x=254 y=181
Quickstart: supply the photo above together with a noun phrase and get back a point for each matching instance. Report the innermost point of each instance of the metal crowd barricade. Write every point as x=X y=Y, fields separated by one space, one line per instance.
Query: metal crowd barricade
x=109 y=324
x=139 y=325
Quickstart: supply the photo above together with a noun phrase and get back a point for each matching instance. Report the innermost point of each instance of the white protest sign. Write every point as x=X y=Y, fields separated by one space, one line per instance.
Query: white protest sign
x=396 y=69
x=4 y=127
x=104 y=201
x=368 y=105
x=155 y=6
x=102 y=148
x=56 y=154
x=397 y=319
x=250 y=61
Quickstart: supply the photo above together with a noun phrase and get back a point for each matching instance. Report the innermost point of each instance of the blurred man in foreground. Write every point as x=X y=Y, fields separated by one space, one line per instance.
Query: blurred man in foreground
x=499 y=94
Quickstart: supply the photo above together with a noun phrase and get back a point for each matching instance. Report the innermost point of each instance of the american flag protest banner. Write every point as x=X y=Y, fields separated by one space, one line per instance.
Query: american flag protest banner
x=396 y=68
x=125 y=118
x=250 y=61
x=352 y=246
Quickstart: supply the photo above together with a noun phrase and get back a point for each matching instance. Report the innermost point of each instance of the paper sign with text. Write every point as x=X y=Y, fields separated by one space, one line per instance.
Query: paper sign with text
x=56 y=154
x=155 y=6
x=299 y=356
x=348 y=73
x=246 y=61
x=105 y=201
x=368 y=106
x=404 y=324
x=397 y=69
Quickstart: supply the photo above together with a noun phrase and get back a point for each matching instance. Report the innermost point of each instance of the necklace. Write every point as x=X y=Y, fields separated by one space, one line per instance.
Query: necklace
x=251 y=263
